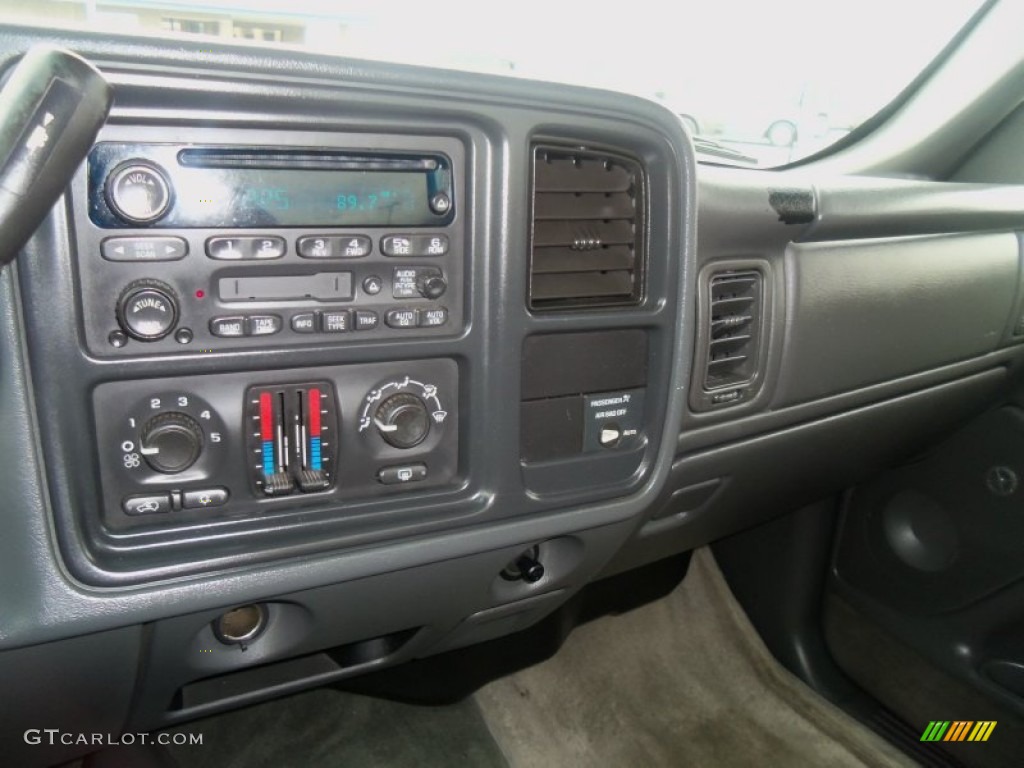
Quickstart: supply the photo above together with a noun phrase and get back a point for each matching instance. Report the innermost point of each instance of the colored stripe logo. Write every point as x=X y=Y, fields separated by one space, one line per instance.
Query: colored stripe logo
x=958 y=730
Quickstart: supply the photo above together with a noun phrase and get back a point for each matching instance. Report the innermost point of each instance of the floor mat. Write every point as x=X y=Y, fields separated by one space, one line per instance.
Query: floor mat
x=327 y=728
x=682 y=681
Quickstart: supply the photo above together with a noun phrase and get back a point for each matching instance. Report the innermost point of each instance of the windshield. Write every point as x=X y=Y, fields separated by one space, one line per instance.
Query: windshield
x=775 y=81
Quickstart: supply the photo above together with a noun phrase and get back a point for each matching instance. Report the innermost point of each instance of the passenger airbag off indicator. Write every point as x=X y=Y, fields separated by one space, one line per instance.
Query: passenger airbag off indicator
x=613 y=419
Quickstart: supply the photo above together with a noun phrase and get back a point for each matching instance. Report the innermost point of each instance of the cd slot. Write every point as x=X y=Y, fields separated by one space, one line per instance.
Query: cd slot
x=335 y=161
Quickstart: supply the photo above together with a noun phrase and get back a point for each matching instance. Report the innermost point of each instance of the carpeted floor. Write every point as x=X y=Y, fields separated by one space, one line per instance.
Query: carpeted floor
x=682 y=681
x=331 y=729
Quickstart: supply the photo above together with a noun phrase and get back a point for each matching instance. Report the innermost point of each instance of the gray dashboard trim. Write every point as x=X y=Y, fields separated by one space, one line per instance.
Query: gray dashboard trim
x=43 y=602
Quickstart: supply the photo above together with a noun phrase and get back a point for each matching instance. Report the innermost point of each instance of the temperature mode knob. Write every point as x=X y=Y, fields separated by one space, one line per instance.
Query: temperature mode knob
x=138 y=192
x=147 y=310
x=402 y=420
x=171 y=442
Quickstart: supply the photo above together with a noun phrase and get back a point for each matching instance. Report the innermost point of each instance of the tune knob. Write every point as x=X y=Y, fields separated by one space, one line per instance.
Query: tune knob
x=147 y=310
x=171 y=442
x=402 y=420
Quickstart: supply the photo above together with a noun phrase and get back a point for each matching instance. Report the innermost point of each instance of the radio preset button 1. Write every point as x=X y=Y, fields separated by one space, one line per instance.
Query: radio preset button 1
x=304 y=323
x=143 y=248
x=245 y=248
x=402 y=318
x=228 y=327
x=414 y=245
x=264 y=325
x=139 y=192
x=366 y=320
x=336 y=322
x=433 y=318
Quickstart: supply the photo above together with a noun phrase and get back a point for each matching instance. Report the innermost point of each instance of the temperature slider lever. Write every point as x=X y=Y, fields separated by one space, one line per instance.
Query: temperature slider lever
x=274 y=445
x=310 y=473
x=293 y=440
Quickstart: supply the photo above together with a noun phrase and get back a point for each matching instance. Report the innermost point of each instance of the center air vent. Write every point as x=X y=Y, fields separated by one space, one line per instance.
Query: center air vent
x=732 y=312
x=587 y=248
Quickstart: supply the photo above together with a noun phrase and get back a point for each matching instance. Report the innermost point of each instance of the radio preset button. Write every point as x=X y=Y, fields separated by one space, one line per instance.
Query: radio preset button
x=402 y=318
x=264 y=325
x=313 y=247
x=228 y=327
x=414 y=245
x=143 y=248
x=334 y=247
x=433 y=318
x=245 y=248
x=366 y=320
x=396 y=245
x=304 y=323
x=336 y=322
x=271 y=247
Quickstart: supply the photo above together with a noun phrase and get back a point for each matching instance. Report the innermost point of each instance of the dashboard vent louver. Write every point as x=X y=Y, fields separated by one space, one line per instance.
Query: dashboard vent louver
x=587 y=240
x=733 y=341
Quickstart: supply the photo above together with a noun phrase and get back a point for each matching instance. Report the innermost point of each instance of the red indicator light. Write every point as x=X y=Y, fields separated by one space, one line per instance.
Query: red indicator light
x=200 y=293
x=314 y=413
x=266 y=416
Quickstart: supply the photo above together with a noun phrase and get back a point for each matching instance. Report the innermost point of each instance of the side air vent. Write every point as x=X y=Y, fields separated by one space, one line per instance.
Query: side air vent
x=588 y=225
x=732 y=334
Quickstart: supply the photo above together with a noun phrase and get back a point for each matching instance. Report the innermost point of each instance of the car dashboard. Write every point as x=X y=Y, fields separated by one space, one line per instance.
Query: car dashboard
x=323 y=366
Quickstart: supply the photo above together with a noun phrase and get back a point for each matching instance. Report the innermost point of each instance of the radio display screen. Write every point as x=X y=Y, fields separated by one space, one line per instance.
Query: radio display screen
x=269 y=197
x=180 y=186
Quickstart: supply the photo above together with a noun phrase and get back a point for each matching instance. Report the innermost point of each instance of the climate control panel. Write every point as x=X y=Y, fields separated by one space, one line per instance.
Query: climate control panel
x=244 y=444
x=292 y=438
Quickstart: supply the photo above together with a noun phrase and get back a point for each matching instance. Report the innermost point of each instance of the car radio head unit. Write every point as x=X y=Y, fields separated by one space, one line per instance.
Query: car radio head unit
x=171 y=186
x=214 y=242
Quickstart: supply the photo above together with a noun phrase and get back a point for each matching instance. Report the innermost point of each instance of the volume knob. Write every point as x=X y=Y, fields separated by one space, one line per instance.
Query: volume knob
x=402 y=420
x=147 y=310
x=138 y=192
x=171 y=442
